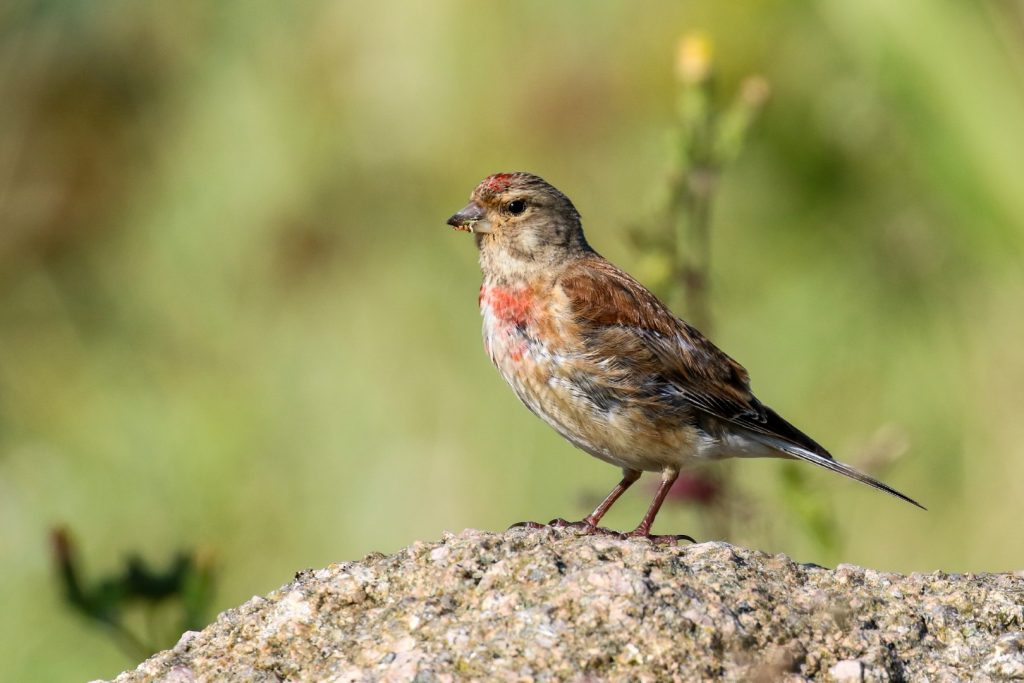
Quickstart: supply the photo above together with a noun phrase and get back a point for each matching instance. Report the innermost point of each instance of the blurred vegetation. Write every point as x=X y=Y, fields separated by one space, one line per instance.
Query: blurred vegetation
x=231 y=315
x=166 y=603
x=675 y=251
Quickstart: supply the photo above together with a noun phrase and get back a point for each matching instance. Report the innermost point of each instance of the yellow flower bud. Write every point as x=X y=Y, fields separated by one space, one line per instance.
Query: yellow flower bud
x=693 y=58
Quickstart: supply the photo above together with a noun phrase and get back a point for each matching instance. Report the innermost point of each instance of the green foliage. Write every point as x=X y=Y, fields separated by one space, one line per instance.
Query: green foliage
x=710 y=136
x=187 y=583
x=810 y=506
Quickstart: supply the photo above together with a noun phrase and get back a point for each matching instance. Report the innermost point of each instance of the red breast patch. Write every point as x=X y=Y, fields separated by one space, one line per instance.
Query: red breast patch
x=511 y=307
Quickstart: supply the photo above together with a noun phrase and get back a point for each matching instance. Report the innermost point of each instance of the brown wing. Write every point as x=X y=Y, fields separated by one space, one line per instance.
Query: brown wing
x=624 y=324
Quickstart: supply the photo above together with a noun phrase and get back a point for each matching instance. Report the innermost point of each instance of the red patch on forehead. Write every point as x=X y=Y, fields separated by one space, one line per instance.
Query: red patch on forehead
x=498 y=182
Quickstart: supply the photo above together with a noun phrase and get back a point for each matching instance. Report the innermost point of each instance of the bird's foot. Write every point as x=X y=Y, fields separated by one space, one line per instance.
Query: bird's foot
x=582 y=526
x=558 y=523
x=658 y=539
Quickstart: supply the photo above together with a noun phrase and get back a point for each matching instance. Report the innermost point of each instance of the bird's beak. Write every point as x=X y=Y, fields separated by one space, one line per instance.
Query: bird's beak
x=473 y=219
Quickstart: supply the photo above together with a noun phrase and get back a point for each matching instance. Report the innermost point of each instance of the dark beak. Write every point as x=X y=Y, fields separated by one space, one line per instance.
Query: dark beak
x=473 y=218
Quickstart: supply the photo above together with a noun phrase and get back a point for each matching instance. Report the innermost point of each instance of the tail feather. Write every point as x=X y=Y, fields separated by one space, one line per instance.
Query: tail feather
x=836 y=466
x=781 y=435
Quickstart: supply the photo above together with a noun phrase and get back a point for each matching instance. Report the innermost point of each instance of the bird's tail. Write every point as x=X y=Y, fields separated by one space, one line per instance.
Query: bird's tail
x=836 y=466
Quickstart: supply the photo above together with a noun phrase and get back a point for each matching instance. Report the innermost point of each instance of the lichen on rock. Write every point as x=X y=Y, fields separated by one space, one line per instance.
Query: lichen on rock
x=556 y=605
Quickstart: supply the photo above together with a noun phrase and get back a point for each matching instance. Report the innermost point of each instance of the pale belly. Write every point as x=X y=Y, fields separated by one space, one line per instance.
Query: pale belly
x=555 y=384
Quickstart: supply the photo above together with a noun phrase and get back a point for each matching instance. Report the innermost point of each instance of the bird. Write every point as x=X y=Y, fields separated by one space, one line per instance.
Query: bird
x=598 y=357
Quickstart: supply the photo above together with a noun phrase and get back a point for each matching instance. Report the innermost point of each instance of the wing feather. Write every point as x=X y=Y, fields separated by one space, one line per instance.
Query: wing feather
x=627 y=325
x=610 y=306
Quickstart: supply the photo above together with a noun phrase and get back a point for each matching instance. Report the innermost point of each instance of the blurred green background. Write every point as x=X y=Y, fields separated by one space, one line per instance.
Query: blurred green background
x=232 y=317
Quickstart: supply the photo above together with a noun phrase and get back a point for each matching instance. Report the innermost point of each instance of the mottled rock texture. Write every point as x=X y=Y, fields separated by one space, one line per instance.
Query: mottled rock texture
x=553 y=605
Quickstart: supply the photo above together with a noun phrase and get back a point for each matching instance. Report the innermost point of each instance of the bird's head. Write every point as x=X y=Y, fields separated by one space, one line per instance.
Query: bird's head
x=521 y=218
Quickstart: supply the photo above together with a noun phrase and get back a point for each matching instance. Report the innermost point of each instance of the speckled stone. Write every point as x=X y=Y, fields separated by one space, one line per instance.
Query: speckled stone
x=545 y=605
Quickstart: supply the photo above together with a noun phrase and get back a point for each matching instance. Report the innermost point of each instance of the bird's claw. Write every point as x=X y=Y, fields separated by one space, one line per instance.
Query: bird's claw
x=560 y=523
x=658 y=539
x=586 y=527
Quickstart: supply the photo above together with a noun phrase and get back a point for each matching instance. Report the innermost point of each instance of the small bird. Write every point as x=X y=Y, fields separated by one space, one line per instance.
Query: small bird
x=597 y=356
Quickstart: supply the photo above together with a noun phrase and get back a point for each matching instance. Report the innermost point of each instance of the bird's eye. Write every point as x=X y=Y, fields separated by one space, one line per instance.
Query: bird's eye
x=516 y=207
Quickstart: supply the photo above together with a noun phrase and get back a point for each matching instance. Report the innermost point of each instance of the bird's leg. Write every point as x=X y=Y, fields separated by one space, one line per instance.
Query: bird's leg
x=628 y=477
x=590 y=522
x=668 y=477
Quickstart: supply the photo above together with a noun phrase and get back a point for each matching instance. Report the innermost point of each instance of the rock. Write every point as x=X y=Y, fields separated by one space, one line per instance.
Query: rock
x=555 y=605
x=847 y=671
x=1007 y=660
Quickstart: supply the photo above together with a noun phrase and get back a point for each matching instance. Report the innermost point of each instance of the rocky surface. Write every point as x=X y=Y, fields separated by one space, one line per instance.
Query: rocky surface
x=552 y=605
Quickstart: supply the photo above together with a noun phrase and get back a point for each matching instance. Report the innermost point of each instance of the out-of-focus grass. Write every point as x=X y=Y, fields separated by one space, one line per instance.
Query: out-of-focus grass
x=231 y=315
